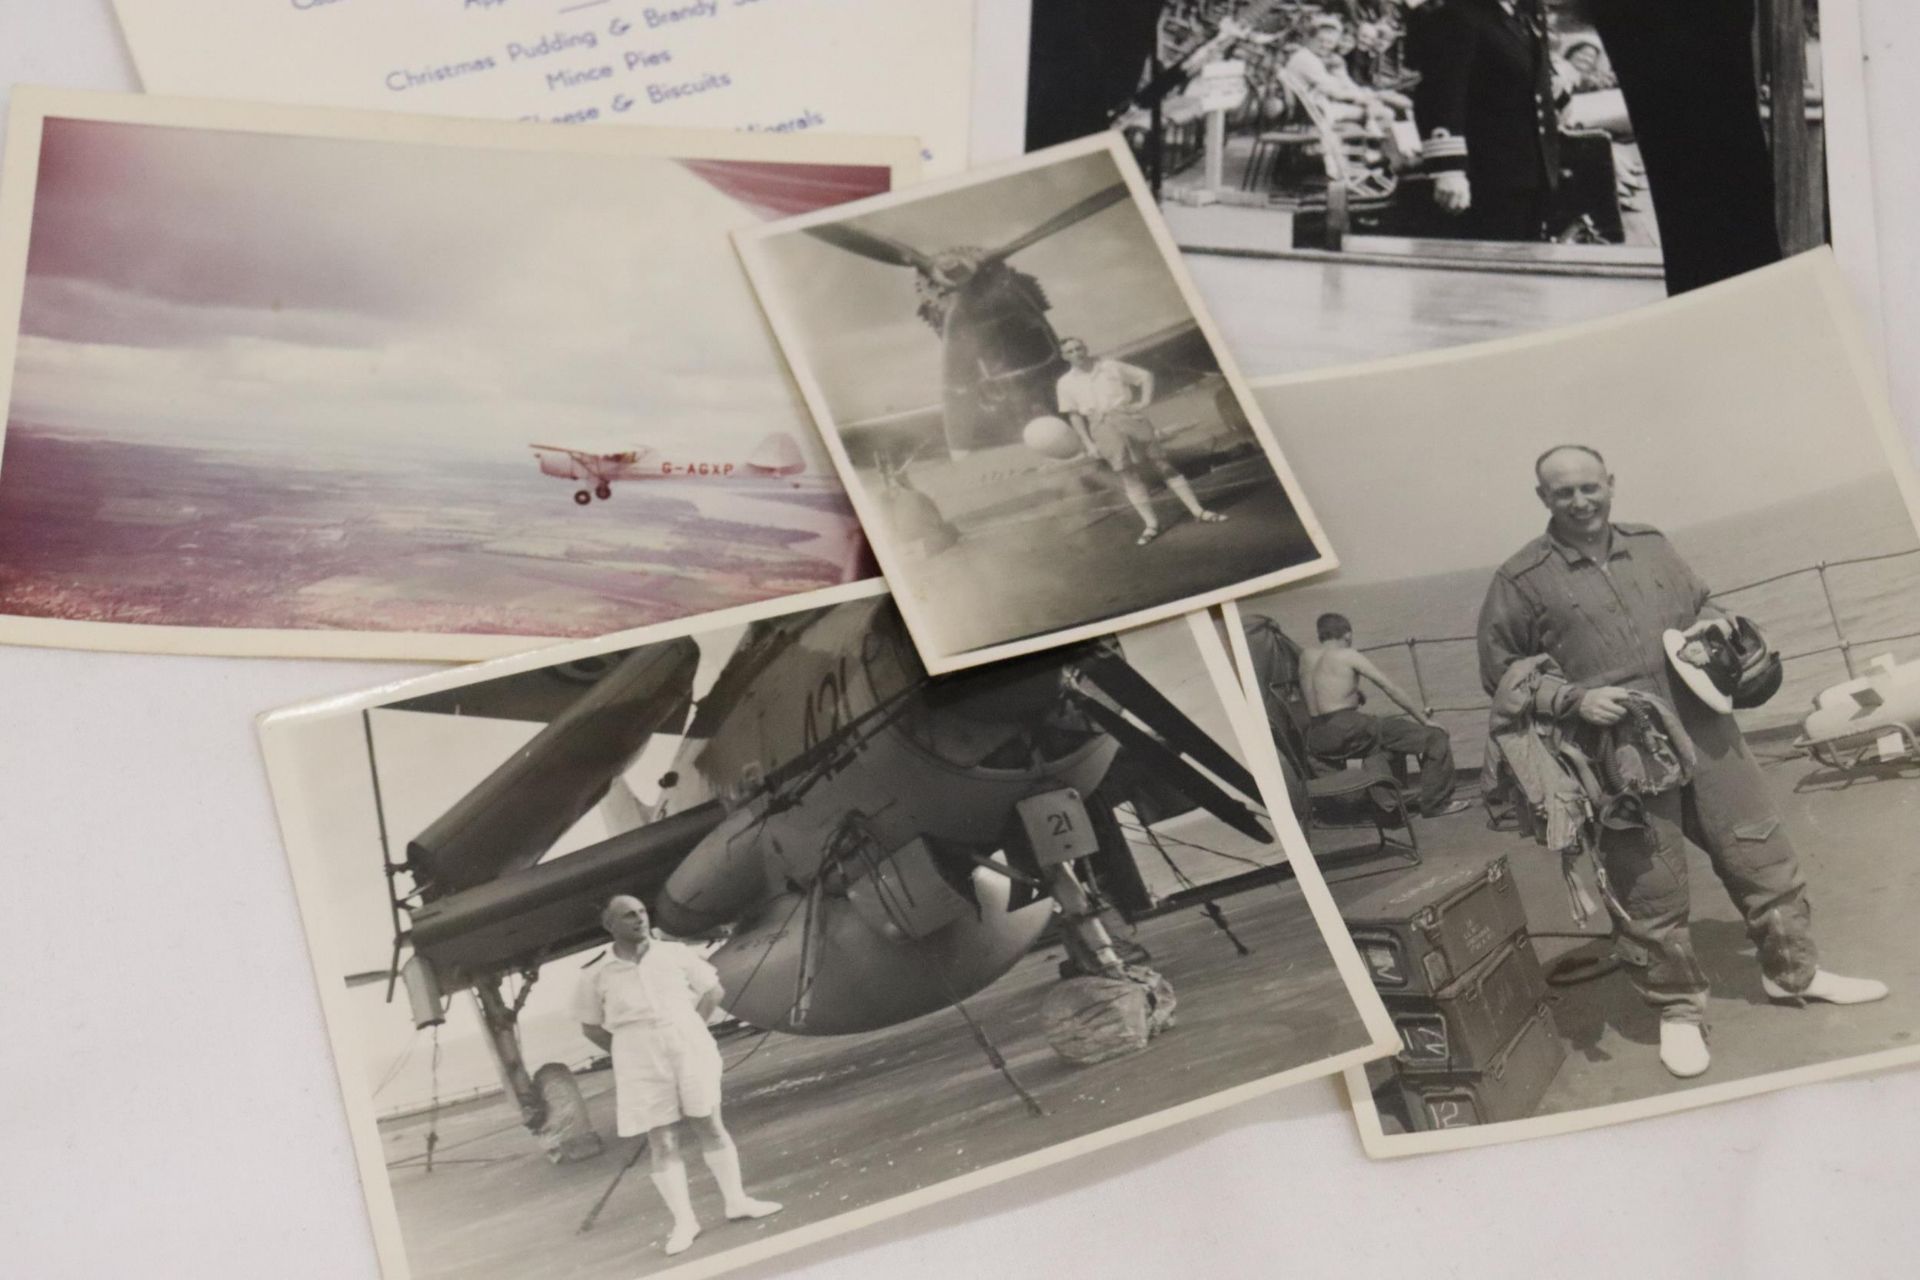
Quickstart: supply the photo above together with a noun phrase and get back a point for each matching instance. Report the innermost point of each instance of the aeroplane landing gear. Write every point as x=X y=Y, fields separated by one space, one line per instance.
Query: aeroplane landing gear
x=582 y=497
x=551 y=1105
x=1113 y=1008
x=603 y=491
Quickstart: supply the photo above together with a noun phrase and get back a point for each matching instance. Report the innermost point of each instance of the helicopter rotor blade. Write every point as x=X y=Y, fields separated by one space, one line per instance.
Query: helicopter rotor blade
x=1110 y=673
x=1061 y=221
x=871 y=244
x=1175 y=771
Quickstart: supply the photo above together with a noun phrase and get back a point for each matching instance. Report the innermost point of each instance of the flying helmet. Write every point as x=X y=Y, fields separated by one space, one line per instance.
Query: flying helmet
x=1728 y=667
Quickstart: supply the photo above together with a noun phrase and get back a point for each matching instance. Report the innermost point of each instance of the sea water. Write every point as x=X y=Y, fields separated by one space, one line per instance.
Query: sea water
x=1874 y=601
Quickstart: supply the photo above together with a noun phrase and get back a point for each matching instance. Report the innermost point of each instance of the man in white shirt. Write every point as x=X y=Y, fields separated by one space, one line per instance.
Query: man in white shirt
x=1106 y=400
x=647 y=1004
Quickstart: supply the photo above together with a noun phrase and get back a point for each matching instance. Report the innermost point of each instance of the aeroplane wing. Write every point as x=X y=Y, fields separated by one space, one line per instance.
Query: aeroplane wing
x=563 y=463
x=513 y=817
x=896 y=437
x=526 y=917
x=1176 y=356
x=1161 y=747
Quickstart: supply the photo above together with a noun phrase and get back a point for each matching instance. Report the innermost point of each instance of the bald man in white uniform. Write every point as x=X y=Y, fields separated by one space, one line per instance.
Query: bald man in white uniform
x=647 y=1004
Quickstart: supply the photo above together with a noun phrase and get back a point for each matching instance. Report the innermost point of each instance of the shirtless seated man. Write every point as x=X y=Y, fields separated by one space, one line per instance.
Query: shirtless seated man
x=1330 y=674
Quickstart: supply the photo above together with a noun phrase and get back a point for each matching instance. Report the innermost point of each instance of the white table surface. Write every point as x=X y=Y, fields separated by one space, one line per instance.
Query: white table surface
x=168 y=1105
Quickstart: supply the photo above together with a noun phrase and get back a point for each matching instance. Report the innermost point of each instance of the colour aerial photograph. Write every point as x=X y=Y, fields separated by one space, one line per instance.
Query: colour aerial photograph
x=302 y=383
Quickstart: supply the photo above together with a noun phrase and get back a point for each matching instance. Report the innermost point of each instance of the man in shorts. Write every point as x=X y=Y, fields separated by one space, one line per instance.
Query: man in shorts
x=647 y=1004
x=1106 y=402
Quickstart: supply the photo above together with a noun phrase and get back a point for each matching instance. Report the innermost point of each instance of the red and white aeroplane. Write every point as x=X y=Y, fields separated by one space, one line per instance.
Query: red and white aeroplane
x=774 y=458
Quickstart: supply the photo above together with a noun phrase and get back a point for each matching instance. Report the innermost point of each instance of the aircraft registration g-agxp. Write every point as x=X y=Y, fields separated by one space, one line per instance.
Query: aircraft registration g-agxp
x=870 y=843
x=777 y=457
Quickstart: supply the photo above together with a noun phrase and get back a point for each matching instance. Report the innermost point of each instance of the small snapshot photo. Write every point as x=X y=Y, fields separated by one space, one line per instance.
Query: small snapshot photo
x=690 y=946
x=1033 y=415
x=288 y=382
x=1358 y=179
x=1640 y=725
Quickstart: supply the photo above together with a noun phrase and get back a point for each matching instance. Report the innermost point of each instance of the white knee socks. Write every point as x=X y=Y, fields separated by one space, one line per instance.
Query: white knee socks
x=725 y=1163
x=671 y=1180
x=1184 y=491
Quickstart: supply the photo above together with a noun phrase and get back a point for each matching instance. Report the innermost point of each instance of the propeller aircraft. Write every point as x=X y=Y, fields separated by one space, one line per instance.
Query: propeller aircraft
x=1000 y=354
x=776 y=457
x=871 y=844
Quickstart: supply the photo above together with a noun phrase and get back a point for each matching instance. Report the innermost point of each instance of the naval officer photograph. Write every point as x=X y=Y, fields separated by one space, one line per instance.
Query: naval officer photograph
x=1674 y=641
x=1488 y=120
x=1598 y=597
x=1359 y=180
x=647 y=1003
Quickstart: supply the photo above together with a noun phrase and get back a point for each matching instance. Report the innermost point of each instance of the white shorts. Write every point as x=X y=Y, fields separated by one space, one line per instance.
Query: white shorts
x=662 y=1073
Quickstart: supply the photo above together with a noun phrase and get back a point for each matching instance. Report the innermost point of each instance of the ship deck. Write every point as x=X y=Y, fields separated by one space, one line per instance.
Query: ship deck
x=1855 y=837
x=830 y=1125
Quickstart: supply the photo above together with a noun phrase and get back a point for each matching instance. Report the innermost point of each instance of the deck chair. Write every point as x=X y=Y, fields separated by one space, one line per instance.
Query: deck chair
x=1347 y=180
x=1324 y=790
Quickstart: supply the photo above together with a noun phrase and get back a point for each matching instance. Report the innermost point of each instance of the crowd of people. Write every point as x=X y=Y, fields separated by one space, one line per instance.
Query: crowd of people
x=1521 y=120
x=1417 y=83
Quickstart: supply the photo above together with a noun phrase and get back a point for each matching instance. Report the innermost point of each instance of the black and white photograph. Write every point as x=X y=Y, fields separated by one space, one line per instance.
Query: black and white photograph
x=1030 y=408
x=695 y=944
x=1617 y=767
x=309 y=382
x=1358 y=179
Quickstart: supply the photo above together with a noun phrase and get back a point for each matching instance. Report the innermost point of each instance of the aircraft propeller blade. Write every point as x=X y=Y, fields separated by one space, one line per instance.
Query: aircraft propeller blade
x=1175 y=771
x=871 y=244
x=1110 y=673
x=1061 y=221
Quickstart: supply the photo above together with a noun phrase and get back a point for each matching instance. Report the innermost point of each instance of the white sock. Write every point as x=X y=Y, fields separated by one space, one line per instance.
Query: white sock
x=1184 y=491
x=671 y=1181
x=725 y=1163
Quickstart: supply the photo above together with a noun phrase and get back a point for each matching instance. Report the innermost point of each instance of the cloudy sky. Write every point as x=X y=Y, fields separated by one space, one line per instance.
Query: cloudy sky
x=369 y=296
x=873 y=355
x=1733 y=399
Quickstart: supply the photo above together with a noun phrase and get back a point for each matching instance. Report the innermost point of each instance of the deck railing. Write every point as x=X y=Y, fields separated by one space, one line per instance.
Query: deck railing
x=1843 y=644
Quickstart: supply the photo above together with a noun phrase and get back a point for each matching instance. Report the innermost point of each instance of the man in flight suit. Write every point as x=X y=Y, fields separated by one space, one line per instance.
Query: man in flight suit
x=1597 y=595
x=647 y=1004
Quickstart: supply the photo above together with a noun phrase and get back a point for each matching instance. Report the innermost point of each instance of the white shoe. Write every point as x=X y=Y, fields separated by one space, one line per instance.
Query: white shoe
x=751 y=1208
x=1830 y=987
x=682 y=1237
x=1683 y=1049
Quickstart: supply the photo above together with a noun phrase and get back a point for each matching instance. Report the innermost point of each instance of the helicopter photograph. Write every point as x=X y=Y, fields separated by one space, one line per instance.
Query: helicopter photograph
x=1031 y=411
x=907 y=934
